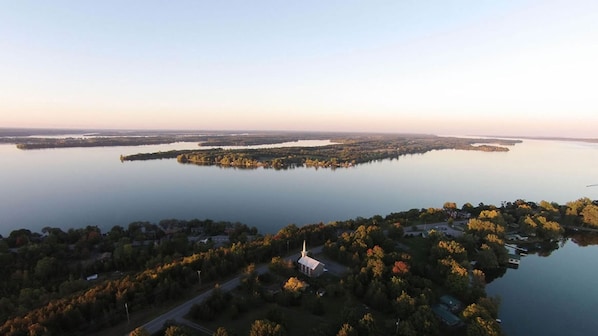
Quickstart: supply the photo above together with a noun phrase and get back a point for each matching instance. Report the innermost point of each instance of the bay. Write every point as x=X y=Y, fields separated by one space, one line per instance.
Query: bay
x=76 y=187
x=552 y=295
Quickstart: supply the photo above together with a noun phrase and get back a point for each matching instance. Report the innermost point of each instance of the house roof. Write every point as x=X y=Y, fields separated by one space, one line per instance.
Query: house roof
x=448 y=317
x=310 y=262
x=450 y=301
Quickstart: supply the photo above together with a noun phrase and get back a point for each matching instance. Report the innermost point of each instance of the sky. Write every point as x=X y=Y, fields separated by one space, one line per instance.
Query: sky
x=476 y=67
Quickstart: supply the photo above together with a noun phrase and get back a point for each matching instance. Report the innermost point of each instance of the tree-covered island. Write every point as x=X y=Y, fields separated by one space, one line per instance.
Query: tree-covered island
x=416 y=272
x=346 y=152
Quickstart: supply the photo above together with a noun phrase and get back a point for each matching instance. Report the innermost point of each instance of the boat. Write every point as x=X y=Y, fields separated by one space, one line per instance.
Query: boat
x=514 y=259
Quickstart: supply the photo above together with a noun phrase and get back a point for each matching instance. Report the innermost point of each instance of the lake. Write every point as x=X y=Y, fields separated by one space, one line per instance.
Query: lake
x=75 y=187
x=554 y=295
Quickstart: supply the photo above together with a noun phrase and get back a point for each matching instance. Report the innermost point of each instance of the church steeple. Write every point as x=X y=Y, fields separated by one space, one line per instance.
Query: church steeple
x=304 y=252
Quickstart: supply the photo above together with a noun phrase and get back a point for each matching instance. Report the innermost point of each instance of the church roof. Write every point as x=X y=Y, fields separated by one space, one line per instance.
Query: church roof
x=310 y=262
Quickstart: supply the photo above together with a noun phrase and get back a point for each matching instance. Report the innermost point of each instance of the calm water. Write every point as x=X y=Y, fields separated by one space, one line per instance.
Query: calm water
x=76 y=187
x=90 y=186
x=554 y=295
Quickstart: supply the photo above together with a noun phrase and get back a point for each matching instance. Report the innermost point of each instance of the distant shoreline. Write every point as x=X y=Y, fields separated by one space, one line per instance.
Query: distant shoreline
x=42 y=132
x=548 y=138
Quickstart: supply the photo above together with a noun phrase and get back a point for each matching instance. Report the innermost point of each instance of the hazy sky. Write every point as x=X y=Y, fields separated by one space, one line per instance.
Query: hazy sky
x=443 y=67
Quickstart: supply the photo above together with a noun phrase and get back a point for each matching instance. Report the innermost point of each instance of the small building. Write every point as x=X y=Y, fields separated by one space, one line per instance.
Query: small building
x=220 y=240
x=453 y=304
x=445 y=315
x=310 y=266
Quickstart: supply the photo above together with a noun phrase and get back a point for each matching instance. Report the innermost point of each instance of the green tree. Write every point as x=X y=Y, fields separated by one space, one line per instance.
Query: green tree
x=590 y=215
x=295 y=286
x=449 y=206
x=45 y=268
x=277 y=316
x=175 y=330
x=406 y=329
x=487 y=258
x=480 y=227
x=367 y=325
x=475 y=310
x=483 y=327
x=376 y=295
x=347 y=330
x=221 y=332
x=424 y=321
x=249 y=277
x=548 y=206
x=140 y=331
x=446 y=248
x=575 y=208
x=395 y=231
x=548 y=229
x=266 y=328
x=405 y=305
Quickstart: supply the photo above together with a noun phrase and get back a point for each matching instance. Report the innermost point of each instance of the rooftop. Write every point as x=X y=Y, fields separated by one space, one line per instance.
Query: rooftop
x=309 y=262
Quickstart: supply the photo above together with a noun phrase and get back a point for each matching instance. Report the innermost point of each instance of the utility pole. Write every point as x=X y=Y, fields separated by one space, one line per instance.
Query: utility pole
x=199 y=276
x=127 y=310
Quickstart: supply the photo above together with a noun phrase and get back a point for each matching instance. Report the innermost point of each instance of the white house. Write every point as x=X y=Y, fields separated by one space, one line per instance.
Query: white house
x=308 y=265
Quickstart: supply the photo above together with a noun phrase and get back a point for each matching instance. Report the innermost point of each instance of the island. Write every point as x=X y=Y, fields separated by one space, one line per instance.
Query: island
x=414 y=272
x=347 y=151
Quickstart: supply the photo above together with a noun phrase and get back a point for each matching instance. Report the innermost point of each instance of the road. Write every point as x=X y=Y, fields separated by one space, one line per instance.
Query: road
x=177 y=314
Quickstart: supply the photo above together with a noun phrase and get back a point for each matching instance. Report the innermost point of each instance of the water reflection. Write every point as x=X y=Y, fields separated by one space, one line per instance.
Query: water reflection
x=584 y=239
x=74 y=187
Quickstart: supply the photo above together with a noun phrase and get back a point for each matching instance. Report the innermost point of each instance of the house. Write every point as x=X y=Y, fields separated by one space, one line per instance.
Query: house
x=451 y=303
x=445 y=315
x=220 y=240
x=310 y=266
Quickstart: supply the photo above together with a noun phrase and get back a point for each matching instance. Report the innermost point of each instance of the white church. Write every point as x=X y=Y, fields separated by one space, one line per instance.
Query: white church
x=310 y=266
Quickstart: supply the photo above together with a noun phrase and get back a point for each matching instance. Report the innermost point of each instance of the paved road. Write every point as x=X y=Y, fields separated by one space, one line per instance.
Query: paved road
x=177 y=313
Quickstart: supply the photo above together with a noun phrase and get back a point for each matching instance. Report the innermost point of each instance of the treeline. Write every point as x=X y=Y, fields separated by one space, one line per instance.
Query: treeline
x=41 y=143
x=27 y=139
x=46 y=292
x=348 y=152
x=44 y=287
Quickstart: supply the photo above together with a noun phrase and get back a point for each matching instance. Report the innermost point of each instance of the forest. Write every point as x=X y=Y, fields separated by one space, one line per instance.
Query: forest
x=73 y=282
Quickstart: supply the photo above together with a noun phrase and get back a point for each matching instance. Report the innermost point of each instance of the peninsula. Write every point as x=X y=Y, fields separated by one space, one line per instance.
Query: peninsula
x=428 y=267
